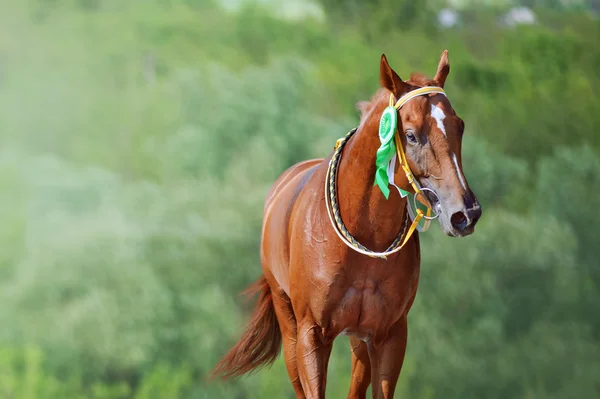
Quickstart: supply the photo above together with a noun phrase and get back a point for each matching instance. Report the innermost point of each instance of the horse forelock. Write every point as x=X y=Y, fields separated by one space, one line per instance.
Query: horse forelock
x=420 y=80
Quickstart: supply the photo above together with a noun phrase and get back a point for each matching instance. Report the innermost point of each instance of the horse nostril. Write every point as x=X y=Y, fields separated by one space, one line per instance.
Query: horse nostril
x=459 y=220
x=466 y=218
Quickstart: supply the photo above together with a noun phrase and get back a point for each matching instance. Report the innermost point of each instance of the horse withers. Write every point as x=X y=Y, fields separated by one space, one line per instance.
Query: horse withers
x=341 y=255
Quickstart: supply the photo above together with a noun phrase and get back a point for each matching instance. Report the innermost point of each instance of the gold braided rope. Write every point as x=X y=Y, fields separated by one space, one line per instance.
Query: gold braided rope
x=331 y=195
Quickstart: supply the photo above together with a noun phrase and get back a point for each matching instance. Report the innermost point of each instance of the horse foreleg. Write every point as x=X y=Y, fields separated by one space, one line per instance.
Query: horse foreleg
x=361 y=369
x=386 y=361
x=312 y=356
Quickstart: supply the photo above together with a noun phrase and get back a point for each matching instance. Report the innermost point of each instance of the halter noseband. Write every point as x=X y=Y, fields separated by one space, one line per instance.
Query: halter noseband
x=331 y=179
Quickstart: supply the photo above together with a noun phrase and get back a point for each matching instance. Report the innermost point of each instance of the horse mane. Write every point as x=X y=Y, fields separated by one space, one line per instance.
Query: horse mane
x=416 y=79
x=365 y=107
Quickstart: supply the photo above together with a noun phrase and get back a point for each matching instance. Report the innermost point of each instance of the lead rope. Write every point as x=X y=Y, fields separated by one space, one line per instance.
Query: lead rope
x=331 y=200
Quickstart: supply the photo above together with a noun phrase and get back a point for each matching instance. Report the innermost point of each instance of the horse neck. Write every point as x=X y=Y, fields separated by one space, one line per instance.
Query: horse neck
x=368 y=216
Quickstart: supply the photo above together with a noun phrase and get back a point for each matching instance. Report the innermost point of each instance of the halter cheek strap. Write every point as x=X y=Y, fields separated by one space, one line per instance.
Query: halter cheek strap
x=399 y=149
x=416 y=213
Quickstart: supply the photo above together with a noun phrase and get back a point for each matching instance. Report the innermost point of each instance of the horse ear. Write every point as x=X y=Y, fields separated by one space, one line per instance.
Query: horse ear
x=389 y=79
x=443 y=69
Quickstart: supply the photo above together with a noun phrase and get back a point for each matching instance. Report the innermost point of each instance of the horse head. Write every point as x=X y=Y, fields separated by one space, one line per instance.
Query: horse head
x=431 y=134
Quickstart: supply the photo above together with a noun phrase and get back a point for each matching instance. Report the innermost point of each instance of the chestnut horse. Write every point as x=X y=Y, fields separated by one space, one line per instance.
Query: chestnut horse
x=319 y=279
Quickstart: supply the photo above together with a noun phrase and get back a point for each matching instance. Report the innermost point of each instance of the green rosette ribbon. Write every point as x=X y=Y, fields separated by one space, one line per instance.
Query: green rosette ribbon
x=385 y=153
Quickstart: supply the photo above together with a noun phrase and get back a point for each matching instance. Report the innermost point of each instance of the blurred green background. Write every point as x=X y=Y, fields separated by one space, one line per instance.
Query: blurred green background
x=139 y=139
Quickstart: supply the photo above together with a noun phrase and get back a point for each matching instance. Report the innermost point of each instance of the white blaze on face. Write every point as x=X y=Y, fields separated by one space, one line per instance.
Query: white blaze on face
x=439 y=116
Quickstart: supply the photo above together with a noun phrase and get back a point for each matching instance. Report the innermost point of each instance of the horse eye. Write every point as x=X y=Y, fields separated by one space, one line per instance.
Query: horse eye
x=411 y=138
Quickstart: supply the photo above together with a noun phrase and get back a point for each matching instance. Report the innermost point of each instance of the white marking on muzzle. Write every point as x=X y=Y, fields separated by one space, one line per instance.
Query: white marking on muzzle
x=459 y=172
x=439 y=116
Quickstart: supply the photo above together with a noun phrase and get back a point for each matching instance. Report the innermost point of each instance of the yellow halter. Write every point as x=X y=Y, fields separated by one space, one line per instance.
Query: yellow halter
x=400 y=150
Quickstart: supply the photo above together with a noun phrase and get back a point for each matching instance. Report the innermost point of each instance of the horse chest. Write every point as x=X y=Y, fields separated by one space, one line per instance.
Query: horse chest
x=366 y=307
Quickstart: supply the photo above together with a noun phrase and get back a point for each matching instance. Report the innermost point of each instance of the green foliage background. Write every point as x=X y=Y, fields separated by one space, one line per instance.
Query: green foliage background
x=139 y=139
